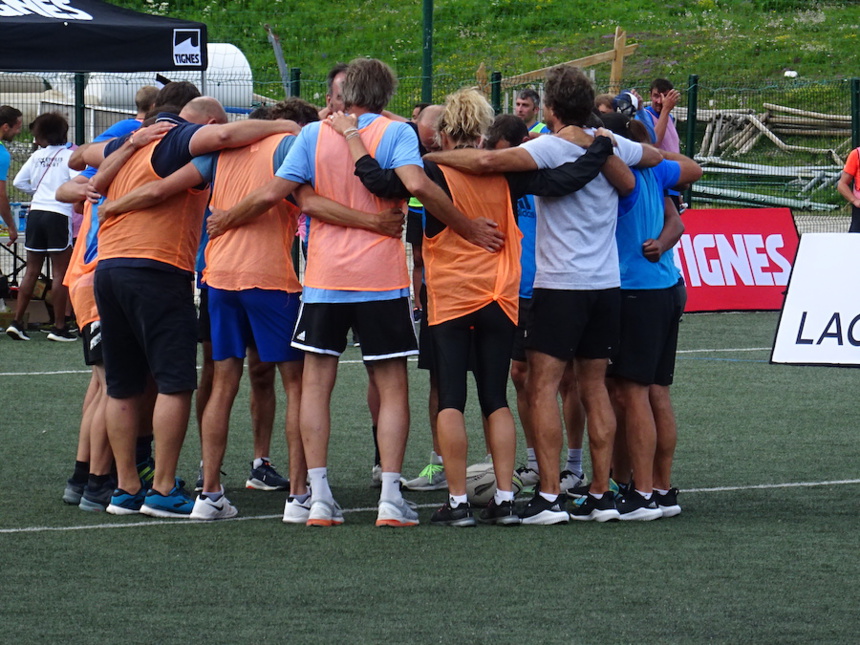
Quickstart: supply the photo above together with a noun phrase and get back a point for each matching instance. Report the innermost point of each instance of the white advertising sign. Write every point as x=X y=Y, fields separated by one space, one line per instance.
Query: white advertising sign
x=820 y=321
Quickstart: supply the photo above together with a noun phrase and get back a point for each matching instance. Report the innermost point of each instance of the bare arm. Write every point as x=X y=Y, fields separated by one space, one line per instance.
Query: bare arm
x=345 y=124
x=481 y=162
x=253 y=205
x=6 y=214
x=690 y=170
x=153 y=192
x=846 y=189
x=672 y=230
x=111 y=165
x=670 y=100
x=211 y=138
x=388 y=222
x=480 y=231
x=72 y=191
x=619 y=175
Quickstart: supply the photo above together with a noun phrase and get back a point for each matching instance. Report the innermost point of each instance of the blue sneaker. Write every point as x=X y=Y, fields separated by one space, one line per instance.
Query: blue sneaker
x=177 y=503
x=123 y=503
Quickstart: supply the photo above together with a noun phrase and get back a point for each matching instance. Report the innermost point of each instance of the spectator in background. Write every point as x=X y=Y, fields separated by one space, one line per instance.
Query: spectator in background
x=849 y=187
x=527 y=107
x=49 y=224
x=10 y=126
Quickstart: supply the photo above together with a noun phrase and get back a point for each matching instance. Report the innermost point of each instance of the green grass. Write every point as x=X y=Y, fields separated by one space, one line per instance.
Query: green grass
x=752 y=565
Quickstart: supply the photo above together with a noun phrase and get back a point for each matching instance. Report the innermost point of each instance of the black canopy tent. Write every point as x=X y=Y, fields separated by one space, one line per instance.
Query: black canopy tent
x=91 y=36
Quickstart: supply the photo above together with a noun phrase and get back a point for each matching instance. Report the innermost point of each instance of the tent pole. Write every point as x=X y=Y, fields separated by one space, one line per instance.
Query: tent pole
x=80 y=109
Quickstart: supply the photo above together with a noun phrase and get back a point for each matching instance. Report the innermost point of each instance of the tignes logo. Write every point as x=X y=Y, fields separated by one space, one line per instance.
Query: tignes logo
x=186 y=47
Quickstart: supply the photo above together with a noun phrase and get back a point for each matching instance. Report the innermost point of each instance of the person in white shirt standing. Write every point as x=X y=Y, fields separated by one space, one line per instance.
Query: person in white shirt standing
x=49 y=223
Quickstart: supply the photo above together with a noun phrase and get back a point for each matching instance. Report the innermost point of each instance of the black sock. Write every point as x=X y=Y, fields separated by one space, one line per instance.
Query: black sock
x=97 y=481
x=143 y=450
x=82 y=471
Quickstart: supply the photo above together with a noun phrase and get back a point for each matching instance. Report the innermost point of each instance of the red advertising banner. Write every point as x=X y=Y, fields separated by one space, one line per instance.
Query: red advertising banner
x=736 y=259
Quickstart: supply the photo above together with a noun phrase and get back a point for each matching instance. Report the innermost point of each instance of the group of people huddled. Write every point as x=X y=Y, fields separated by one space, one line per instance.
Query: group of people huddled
x=542 y=252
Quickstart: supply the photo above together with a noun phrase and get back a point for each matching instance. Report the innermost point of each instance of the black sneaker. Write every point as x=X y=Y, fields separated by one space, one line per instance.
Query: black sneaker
x=461 y=515
x=503 y=513
x=97 y=498
x=61 y=335
x=668 y=503
x=17 y=331
x=590 y=508
x=542 y=511
x=633 y=506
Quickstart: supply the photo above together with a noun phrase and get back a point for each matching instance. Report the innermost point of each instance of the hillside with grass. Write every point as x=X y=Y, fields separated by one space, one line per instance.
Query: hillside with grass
x=716 y=39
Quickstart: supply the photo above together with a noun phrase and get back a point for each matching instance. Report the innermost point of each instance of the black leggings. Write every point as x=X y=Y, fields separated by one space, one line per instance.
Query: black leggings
x=491 y=333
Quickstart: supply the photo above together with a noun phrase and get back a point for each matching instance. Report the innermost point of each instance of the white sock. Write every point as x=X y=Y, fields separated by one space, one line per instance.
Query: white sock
x=661 y=491
x=503 y=496
x=455 y=500
x=301 y=499
x=597 y=495
x=645 y=495
x=548 y=497
x=574 y=461
x=390 y=487
x=259 y=461
x=213 y=496
x=319 y=484
x=435 y=458
x=532 y=459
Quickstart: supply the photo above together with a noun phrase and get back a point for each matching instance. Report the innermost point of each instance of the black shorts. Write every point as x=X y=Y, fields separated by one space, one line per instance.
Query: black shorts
x=92 y=335
x=649 y=336
x=574 y=324
x=385 y=328
x=48 y=232
x=149 y=325
x=426 y=353
x=415 y=226
x=486 y=334
x=204 y=326
x=518 y=353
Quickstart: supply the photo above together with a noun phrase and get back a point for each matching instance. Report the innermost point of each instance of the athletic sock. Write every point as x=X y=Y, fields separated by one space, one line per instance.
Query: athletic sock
x=319 y=484
x=574 y=461
x=455 y=500
x=503 y=496
x=213 y=496
x=532 y=459
x=259 y=461
x=81 y=472
x=301 y=499
x=96 y=481
x=390 y=487
x=548 y=496
x=645 y=495
x=597 y=495
x=661 y=491
x=143 y=449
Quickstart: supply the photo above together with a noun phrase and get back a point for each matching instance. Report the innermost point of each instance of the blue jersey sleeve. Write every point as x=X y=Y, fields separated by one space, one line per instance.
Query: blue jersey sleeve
x=5 y=159
x=398 y=147
x=300 y=161
x=205 y=165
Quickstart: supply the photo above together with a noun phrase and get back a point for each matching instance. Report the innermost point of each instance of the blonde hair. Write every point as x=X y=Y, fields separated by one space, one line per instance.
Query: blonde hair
x=467 y=117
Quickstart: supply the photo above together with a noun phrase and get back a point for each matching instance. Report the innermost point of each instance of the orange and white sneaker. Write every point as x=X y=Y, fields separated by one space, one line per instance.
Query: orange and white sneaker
x=324 y=513
x=396 y=513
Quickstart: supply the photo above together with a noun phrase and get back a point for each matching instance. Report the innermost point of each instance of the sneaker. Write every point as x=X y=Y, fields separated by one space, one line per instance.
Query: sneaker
x=206 y=508
x=146 y=471
x=376 y=476
x=459 y=516
x=324 y=513
x=528 y=476
x=572 y=484
x=177 y=503
x=296 y=512
x=266 y=478
x=633 y=506
x=503 y=513
x=73 y=492
x=668 y=503
x=543 y=512
x=61 y=335
x=16 y=331
x=590 y=508
x=97 y=499
x=123 y=503
x=431 y=478
x=396 y=513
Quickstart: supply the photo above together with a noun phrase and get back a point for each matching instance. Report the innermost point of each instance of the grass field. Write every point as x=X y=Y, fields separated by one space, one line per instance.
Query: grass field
x=765 y=551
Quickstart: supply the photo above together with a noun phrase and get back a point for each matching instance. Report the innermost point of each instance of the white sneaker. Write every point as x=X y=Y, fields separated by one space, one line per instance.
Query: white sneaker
x=432 y=477
x=207 y=509
x=396 y=513
x=296 y=512
x=572 y=484
x=376 y=477
x=528 y=476
x=324 y=513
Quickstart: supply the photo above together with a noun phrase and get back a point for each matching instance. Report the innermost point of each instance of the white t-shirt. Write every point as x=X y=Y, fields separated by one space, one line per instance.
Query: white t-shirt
x=575 y=238
x=46 y=170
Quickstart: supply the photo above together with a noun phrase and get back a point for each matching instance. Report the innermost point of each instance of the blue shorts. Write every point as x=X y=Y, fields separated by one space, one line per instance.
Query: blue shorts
x=260 y=318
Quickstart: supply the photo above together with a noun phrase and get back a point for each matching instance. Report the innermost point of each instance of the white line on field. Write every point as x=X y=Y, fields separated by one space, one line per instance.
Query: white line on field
x=735 y=349
x=184 y=522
